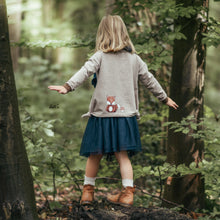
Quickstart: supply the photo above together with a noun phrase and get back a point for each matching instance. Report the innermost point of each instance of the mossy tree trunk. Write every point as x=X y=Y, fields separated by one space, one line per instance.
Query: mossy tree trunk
x=187 y=87
x=17 y=200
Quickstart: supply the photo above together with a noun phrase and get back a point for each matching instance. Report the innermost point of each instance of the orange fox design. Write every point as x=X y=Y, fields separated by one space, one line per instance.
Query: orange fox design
x=111 y=104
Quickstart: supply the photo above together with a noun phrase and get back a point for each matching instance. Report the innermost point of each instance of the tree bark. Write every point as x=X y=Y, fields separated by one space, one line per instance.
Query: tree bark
x=16 y=184
x=187 y=87
x=15 y=32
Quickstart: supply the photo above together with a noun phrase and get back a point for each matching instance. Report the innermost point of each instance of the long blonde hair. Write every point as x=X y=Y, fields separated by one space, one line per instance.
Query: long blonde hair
x=112 y=35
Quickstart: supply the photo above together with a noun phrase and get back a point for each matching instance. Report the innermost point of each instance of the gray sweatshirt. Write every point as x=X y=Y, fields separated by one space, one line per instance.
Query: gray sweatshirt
x=116 y=92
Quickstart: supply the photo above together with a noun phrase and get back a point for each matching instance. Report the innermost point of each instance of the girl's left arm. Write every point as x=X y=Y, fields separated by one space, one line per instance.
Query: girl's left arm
x=90 y=67
x=61 y=89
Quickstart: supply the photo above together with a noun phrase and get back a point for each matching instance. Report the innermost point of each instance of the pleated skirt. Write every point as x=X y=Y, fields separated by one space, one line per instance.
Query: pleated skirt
x=109 y=135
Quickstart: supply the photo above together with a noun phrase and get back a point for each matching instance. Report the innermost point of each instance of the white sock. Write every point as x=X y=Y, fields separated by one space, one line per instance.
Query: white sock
x=127 y=182
x=89 y=180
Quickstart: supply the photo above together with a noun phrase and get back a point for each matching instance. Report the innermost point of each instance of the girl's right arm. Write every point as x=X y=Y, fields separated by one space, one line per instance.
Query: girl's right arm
x=171 y=103
x=153 y=85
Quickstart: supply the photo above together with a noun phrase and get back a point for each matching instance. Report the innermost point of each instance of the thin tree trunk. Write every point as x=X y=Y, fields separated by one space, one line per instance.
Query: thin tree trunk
x=187 y=87
x=17 y=200
x=109 y=6
x=47 y=17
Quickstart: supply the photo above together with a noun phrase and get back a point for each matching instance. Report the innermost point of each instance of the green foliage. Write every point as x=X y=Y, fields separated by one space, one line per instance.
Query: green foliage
x=212 y=38
x=74 y=43
x=168 y=9
x=185 y=126
x=208 y=168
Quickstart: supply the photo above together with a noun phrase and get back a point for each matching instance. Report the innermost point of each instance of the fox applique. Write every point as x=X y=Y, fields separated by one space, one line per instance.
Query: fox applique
x=111 y=104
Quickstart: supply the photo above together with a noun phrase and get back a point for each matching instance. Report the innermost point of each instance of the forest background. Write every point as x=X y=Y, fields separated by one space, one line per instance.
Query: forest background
x=55 y=38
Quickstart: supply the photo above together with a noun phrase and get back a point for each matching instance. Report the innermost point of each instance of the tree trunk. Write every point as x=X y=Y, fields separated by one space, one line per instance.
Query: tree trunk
x=187 y=87
x=16 y=184
x=15 y=32
x=109 y=6
x=47 y=17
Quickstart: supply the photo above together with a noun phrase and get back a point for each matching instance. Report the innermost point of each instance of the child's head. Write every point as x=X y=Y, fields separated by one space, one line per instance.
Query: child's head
x=112 y=35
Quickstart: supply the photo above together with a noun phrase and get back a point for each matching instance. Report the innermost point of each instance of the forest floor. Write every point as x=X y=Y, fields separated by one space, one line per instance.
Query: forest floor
x=66 y=206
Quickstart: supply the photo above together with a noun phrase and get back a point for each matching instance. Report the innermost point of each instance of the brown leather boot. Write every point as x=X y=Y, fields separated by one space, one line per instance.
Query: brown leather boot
x=88 y=195
x=124 y=198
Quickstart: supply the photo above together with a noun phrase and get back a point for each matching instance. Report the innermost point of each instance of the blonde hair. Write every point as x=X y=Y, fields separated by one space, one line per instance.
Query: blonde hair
x=112 y=35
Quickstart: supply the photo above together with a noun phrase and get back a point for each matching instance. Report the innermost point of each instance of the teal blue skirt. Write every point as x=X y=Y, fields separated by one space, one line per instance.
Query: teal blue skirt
x=109 y=135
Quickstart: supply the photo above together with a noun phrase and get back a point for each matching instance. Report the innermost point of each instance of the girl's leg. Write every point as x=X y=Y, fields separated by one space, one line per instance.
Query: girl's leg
x=126 y=196
x=92 y=167
x=125 y=168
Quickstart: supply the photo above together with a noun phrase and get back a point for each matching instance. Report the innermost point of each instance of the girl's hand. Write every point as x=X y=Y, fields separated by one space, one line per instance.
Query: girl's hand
x=171 y=103
x=60 y=89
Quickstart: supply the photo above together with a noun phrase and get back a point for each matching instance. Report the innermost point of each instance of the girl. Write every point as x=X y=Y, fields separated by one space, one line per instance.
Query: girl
x=112 y=126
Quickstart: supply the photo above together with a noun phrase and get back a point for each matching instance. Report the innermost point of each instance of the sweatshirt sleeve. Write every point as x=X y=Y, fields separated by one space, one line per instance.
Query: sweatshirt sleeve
x=150 y=82
x=90 y=67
